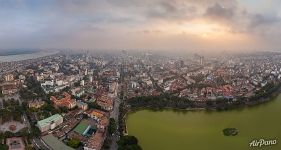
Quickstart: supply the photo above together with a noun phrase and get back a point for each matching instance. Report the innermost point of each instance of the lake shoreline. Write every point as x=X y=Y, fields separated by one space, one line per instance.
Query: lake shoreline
x=262 y=100
x=204 y=126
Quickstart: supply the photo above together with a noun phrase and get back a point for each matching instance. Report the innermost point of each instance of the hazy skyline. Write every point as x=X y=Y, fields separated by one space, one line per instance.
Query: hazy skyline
x=141 y=24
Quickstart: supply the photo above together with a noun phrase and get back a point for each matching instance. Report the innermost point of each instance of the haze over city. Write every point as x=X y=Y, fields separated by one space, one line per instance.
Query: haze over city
x=140 y=74
x=183 y=25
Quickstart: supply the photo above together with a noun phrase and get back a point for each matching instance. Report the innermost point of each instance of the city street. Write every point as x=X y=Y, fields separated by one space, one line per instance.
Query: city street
x=40 y=144
x=115 y=114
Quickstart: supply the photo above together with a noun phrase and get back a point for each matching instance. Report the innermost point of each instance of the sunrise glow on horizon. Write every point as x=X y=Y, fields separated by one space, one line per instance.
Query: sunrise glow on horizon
x=148 y=24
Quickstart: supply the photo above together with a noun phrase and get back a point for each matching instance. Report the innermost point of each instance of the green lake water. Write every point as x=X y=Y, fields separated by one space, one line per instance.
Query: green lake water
x=202 y=130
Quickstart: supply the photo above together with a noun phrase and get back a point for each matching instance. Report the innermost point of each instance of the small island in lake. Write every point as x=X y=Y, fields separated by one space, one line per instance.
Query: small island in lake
x=230 y=131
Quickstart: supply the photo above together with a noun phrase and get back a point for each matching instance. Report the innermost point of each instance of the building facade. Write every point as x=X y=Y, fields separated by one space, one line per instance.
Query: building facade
x=50 y=123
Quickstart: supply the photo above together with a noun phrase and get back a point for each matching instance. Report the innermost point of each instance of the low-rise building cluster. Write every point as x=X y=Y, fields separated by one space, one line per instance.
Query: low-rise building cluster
x=80 y=93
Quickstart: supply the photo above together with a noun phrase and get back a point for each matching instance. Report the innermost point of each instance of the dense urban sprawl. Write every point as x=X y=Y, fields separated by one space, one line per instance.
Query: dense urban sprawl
x=72 y=100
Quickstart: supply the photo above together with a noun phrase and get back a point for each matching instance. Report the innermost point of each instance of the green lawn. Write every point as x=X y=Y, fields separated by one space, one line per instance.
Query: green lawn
x=81 y=127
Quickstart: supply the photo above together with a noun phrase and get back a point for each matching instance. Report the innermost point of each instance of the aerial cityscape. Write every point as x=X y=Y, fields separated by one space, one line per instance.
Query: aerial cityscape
x=140 y=75
x=82 y=99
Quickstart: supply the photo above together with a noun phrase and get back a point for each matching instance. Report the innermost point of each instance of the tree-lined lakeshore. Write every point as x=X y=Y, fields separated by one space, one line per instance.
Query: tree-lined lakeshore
x=168 y=101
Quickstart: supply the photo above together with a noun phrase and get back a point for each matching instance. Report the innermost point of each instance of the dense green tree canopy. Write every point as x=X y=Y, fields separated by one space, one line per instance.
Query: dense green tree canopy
x=128 y=143
x=73 y=143
x=112 y=126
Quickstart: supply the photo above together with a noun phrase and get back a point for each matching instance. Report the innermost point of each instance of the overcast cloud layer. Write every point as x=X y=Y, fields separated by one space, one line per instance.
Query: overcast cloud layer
x=141 y=24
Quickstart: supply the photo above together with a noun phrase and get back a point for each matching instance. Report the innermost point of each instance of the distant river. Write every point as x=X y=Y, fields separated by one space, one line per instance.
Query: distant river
x=20 y=57
x=202 y=130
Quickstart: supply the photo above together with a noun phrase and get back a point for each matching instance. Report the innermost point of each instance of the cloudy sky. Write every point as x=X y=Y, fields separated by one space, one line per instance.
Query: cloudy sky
x=141 y=24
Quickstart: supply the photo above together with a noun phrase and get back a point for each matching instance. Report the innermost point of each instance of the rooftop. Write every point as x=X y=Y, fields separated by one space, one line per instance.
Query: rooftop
x=15 y=143
x=49 y=120
x=96 y=141
x=55 y=143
